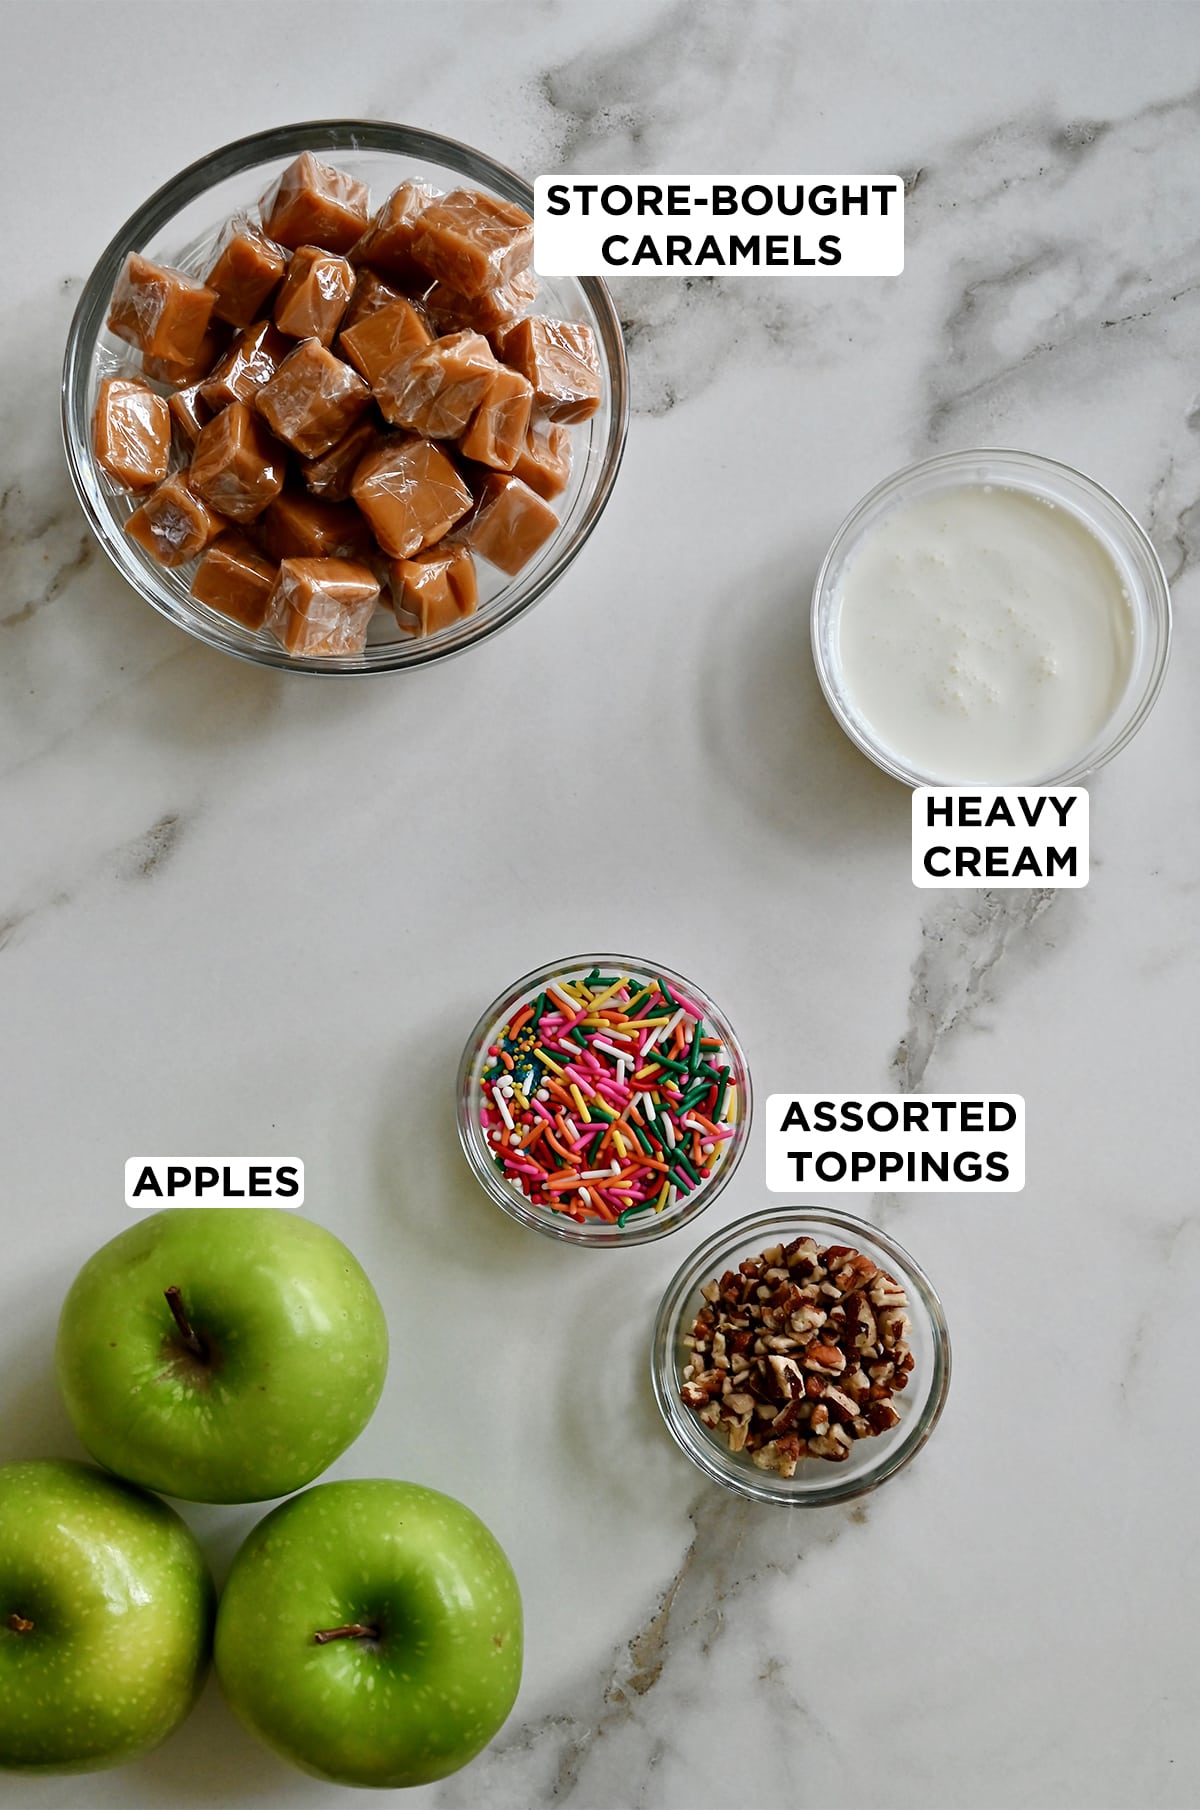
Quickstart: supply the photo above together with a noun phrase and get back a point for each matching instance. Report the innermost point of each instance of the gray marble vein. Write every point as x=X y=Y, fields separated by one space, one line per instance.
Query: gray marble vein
x=966 y=941
x=41 y=551
x=605 y=1748
x=148 y=854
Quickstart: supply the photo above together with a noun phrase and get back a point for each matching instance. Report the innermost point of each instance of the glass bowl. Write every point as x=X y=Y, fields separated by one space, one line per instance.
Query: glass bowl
x=639 y=1227
x=817 y=1482
x=179 y=225
x=1125 y=540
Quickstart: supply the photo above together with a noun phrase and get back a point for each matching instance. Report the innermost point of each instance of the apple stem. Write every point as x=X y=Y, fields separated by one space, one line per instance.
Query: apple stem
x=354 y=1630
x=19 y=1625
x=187 y=1332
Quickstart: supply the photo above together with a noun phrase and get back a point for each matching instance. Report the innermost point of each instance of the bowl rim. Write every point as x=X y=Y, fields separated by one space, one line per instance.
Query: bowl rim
x=703 y=1448
x=242 y=154
x=1156 y=592
x=600 y=1236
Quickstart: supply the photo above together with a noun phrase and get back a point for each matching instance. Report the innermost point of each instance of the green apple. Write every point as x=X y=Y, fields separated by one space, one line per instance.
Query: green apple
x=222 y=1355
x=370 y=1632
x=106 y=1613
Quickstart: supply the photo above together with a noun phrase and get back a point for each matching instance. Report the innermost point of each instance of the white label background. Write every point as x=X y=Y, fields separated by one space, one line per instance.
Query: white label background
x=570 y=244
x=781 y=1171
x=239 y=1168
x=1048 y=833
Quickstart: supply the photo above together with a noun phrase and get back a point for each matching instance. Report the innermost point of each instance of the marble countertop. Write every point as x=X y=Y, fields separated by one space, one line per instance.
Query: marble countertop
x=243 y=911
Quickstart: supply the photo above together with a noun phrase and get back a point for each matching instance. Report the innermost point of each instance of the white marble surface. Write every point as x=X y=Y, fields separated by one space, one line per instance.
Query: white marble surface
x=247 y=912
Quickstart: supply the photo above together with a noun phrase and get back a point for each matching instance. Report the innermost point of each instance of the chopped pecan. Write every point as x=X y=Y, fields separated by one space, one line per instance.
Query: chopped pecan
x=788 y=1417
x=788 y=1376
x=807 y=1320
x=798 y=1353
x=863 y=1328
x=781 y=1455
x=842 y=1407
x=856 y=1272
x=894 y=1327
x=885 y=1291
x=735 y=1433
x=856 y=1384
x=827 y=1446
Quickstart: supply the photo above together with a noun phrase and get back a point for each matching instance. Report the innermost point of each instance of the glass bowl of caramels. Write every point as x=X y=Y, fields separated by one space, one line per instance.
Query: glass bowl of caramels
x=603 y=1100
x=800 y=1356
x=321 y=413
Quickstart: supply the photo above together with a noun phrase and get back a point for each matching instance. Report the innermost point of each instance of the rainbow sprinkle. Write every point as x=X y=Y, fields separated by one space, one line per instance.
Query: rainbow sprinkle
x=606 y=1096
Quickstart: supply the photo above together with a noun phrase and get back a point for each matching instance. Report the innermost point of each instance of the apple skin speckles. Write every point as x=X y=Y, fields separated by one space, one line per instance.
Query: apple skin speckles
x=436 y=1680
x=120 y=1605
x=294 y=1353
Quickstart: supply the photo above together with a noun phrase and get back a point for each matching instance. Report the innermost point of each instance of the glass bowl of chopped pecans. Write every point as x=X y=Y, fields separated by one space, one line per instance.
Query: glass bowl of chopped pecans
x=800 y=1356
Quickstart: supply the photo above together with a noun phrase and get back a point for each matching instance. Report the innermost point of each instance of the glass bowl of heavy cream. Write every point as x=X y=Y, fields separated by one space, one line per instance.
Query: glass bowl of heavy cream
x=990 y=617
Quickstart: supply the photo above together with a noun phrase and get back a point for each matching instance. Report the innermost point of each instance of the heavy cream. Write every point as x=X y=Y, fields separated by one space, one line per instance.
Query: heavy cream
x=984 y=634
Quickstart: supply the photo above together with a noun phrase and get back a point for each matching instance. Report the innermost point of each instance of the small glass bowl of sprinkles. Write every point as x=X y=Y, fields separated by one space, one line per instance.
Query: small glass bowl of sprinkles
x=603 y=1100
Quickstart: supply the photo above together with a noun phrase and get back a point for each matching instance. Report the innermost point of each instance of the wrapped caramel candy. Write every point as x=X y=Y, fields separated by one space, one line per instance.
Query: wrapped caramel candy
x=561 y=362
x=496 y=435
x=384 y=340
x=544 y=462
x=160 y=311
x=331 y=476
x=322 y=606
x=237 y=468
x=131 y=433
x=472 y=242
x=315 y=294
x=246 y=274
x=386 y=246
x=252 y=359
x=434 y=589
x=188 y=370
x=510 y=524
x=314 y=204
x=313 y=399
x=451 y=312
x=189 y=412
x=370 y=293
x=437 y=390
x=173 y=523
x=298 y=526
x=411 y=495
x=233 y=577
